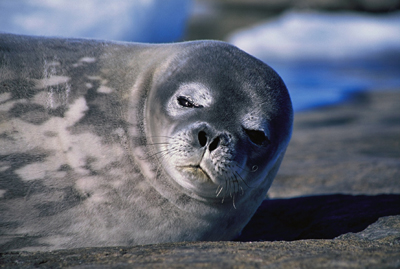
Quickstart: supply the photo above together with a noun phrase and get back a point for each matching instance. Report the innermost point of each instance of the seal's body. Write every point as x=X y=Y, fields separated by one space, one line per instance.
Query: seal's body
x=105 y=143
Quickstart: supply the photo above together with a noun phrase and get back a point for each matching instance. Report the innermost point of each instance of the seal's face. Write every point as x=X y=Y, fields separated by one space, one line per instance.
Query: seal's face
x=215 y=132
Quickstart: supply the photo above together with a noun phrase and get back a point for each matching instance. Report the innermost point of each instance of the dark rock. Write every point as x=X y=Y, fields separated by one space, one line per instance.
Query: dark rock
x=317 y=217
x=384 y=229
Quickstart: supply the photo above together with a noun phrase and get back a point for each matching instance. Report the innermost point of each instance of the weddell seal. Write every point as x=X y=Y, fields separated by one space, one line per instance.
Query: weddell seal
x=112 y=143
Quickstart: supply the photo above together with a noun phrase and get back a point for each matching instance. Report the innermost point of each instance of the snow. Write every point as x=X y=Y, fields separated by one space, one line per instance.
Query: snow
x=318 y=35
x=324 y=57
x=127 y=20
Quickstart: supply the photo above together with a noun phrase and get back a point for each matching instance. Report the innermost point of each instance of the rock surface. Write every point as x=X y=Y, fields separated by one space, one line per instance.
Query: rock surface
x=352 y=148
x=343 y=170
x=351 y=251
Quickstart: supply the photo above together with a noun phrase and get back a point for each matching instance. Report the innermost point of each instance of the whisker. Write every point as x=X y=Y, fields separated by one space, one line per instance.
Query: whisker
x=242 y=191
x=244 y=182
x=168 y=137
x=158 y=143
x=237 y=184
x=219 y=190
x=159 y=152
x=226 y=189
x=231 y=184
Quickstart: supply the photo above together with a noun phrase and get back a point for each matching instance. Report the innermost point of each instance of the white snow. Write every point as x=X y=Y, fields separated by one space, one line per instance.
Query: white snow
x=322 y=57
x=128 y=20
x=318 y=35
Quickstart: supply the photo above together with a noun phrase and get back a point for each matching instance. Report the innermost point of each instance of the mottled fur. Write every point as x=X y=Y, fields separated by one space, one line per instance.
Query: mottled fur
x=82 y=164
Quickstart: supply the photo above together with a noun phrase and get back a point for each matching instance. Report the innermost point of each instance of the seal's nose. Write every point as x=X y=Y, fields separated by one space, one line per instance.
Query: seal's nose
x=214 y=144
x=202 y=136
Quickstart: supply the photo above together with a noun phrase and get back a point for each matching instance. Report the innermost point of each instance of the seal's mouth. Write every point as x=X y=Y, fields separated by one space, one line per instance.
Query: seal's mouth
x=196 y=172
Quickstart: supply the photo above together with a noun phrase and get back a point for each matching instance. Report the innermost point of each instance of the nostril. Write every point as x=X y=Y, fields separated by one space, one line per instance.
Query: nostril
x=202 y=138
x=214 y=144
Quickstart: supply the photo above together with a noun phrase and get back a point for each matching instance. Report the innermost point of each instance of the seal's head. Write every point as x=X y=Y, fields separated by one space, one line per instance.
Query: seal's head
x=219 y=122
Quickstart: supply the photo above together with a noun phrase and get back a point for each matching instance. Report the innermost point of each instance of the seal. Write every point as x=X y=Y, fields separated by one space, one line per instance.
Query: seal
x=111 y=143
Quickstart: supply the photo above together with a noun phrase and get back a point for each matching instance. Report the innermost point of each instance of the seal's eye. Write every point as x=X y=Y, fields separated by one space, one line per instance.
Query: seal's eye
x=258 y=137
x=187 y=102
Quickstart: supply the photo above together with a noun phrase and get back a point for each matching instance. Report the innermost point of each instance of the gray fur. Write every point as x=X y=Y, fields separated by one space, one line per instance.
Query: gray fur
x=97 y=150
